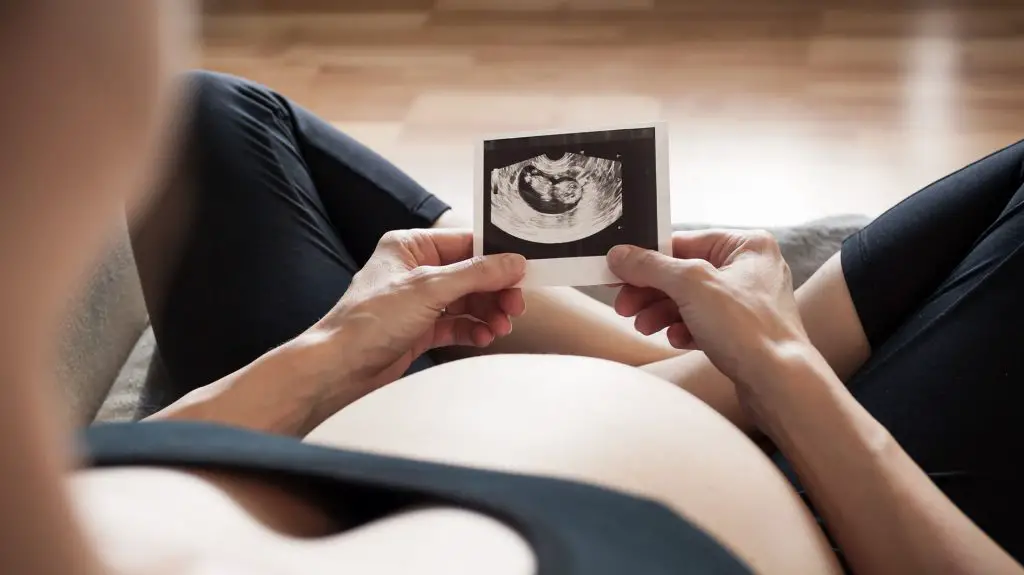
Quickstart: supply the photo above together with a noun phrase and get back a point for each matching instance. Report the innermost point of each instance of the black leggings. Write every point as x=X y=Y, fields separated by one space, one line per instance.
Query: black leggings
x=281 y=210
x=284 y=209
x=937 y=283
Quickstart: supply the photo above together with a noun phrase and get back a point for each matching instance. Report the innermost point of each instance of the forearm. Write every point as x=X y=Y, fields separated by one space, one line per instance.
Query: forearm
x=39 y=532
x=288 y=391
x=885 y=513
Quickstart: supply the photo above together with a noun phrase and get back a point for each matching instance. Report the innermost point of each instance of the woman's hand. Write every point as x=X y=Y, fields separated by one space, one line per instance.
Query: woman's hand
x=727 y=293
x=421 y=289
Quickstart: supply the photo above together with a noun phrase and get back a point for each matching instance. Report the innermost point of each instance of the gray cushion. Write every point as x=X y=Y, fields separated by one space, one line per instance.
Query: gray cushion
x=102 y=324
x=807 y=246
x=125 y=400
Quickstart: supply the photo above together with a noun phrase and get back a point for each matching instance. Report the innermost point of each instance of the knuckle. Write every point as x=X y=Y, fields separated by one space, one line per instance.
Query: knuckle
x=422 y=277
x=763 y=239
x=481 y=269
x=415 y=235
x=787 y=275
x=699 y=271
x=428 y=283
x=393 y=238
x=643 y=258
x=410 y=242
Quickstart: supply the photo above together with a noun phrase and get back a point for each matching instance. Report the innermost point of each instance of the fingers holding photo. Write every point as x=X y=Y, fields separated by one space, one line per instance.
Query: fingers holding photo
x=657 y=316
x=642 y=268
x=726 y=292
x=461 y=331
x=477 y=290
x=452 y=245
x=631 y=299
x=719 y=246
x=495 y=309
x=653 y=312
x=679 y=336
x=711 y=245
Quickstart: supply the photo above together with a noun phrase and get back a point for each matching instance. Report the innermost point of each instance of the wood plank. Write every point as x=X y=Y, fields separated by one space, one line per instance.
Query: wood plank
x=780 y=111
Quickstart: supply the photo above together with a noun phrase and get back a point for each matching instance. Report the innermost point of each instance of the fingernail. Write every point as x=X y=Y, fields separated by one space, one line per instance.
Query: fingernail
x=618 y=253
x=513 y=263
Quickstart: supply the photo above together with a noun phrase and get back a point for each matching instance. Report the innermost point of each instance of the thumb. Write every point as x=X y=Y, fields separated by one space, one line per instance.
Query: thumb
x=480 y=274
x=647 y=268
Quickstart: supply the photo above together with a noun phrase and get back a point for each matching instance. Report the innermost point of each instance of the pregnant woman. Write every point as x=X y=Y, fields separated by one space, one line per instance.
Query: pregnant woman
x=312 y=304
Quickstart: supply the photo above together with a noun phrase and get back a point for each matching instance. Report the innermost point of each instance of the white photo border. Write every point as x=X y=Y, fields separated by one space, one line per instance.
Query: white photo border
x=581 y=271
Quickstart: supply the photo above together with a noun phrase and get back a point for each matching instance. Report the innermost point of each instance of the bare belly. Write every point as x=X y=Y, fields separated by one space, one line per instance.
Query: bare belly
x=593 y=421
x=573 y=418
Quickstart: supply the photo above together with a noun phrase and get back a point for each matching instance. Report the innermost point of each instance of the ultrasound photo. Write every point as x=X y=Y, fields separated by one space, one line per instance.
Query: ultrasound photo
x=556 y=201
x=564 y=199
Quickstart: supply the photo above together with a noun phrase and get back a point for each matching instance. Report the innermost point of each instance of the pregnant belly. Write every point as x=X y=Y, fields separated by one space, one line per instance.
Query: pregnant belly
x=573 y=418
x=599 y=422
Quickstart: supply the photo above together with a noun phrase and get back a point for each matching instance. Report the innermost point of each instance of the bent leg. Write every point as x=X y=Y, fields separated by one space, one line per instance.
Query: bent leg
x=946 y=368
x=912 y=247
x=936 y=283
x=241 y=252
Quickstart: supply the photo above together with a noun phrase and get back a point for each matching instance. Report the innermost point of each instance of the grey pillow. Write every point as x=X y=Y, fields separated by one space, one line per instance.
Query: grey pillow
x=807 y=246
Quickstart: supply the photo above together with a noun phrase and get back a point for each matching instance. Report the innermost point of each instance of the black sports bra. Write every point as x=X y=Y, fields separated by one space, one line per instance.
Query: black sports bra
x=573 y=528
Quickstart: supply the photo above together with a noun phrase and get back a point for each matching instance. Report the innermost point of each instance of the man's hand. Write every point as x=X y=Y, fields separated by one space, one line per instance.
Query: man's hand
x=422 y=289
x=727 y=293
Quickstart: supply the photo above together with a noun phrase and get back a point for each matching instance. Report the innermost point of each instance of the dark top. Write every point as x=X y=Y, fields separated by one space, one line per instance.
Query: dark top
x=573 y=528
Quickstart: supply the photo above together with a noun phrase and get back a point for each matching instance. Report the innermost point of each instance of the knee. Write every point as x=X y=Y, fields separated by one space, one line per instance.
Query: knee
x=205 y=87
x=215 y=98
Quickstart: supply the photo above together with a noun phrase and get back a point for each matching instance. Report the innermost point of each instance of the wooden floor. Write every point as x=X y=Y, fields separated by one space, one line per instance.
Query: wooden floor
x=780 y=112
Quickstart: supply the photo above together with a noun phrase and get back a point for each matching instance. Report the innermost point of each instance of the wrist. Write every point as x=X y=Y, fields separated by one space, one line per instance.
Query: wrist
x=785 y=380
x=770 y=362
x=321 y=367
x=314 y=359
x=289 y=390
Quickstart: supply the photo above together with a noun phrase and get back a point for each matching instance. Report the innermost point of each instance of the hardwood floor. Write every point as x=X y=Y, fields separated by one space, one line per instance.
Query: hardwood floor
x=780 y=112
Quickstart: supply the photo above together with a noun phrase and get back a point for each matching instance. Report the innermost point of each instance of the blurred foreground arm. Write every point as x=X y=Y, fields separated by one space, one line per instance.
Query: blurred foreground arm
x=83 y=94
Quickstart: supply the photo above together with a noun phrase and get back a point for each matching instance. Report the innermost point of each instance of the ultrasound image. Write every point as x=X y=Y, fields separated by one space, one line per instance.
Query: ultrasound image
x=554 y=201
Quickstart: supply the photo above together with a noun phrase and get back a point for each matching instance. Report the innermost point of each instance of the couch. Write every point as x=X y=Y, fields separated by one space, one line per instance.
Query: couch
x=109 y=363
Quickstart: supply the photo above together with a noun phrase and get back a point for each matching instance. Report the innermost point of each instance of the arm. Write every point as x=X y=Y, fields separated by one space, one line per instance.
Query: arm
x=733 y=299
x=885 y=513
x=39 y=530
x=288 y=391
x=81 y=93
x=391 y=314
